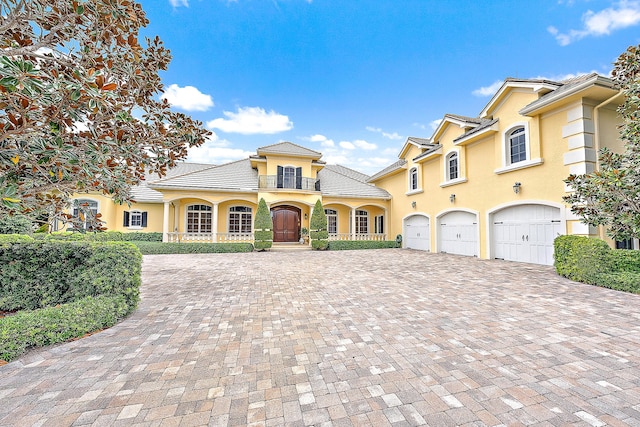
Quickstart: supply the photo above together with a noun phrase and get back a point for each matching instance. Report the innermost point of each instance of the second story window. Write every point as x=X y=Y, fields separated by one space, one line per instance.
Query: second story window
x=289 y=177
x=413 y=179
x=517 y=145
x=452 y=166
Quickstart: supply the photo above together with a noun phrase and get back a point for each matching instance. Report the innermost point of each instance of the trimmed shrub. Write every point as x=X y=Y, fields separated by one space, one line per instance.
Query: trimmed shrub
x=106 y=236
x=263 y=227
x=44 y=273
x=154 y=248
x=15 y=224
x=591 y=261
x=14 y=238
x=51 y=325
x=343 y=245
x=138 y=236
x=318 y=225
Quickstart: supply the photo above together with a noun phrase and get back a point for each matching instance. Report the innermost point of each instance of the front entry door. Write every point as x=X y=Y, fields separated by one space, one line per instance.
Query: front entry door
x=286 y=224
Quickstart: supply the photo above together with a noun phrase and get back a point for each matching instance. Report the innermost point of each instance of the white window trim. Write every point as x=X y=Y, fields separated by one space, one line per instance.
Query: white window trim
x=506 y=149
x=252 y=218
x=453 y=182
x=446 y=166
x=418 y=189
x=519 y=165
x=186 y=214
x=333 y=215
x=136 y=227
x=88 y=199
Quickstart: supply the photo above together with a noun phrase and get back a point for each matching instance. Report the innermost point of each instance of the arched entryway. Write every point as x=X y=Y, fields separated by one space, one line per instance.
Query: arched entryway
x=286 y=223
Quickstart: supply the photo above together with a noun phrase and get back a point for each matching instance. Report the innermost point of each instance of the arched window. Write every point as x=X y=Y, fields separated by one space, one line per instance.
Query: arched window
x=199 y=219
x=452 y=166
x=240 y=219
x=84 y=207
x=517 y=145
x=413 y=179
x=332 y=220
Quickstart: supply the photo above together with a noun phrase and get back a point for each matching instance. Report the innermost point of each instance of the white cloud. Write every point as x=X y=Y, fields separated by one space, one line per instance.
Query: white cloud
x=347 y=145
x=187 y=98
x=323 y=140
x=360 y=143
x=217 y=153
x=393 y=136
x=252 y=120
x=488 y=90
x=623 y=14
x=178 y=3
x=435 y=123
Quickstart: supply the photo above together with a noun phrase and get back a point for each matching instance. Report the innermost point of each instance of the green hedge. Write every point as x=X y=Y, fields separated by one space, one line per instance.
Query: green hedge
x=44 y=273
x=51 y=325
x=14 y=238
x=152 y=248
x=107 y=236
x=342 y=245
x=591 y=261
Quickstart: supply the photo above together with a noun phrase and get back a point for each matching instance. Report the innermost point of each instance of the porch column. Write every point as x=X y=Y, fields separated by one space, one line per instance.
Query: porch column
x=214 y=226
x=176 y=215
x=353 y=223
x=386 y=224
x=165 y=223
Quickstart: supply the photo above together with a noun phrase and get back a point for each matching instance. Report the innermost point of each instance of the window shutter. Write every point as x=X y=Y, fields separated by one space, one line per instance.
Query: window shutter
x=280 y=176
x=299 y=178
x=144 y=219
x=126 y=219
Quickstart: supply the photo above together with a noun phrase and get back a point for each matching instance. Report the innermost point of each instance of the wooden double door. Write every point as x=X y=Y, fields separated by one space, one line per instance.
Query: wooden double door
x=286 y=224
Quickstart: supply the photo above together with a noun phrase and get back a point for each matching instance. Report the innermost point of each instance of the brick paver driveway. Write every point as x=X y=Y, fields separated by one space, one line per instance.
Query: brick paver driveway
x=388 y=337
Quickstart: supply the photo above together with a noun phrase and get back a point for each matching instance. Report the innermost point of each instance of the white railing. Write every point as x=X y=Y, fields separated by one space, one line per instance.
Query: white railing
x=210 y=237
x=359 y=236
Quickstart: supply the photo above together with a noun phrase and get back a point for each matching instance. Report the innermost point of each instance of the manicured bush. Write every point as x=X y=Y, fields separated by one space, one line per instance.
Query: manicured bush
x=263 y=227
x=591 y=261
x=14 y=238
x=139 y=236
x=51 y=325
x=342 y=245
x=106 y=236
x=44 y=273
x=153 y=248
x=318 y=225
x=15 y=224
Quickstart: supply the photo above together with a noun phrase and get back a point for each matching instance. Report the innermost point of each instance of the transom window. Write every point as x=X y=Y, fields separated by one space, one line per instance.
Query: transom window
x=199 y=219
x=517 y=145
x=413 y=179
x=332 y=220
x=240 y=219
x=452 y=166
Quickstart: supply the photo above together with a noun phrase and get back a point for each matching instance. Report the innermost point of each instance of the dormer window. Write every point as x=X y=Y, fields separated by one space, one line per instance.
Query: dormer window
x=452 y=166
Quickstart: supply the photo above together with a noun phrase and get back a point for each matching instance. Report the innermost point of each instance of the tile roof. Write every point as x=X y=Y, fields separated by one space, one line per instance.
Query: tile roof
x=359 y=176
x=142 y=192
x=335 y=181
x=419 y=141
x=238 y=176
x=391 y=168
x=434 y=147
x=288 y=148
x=484 y=123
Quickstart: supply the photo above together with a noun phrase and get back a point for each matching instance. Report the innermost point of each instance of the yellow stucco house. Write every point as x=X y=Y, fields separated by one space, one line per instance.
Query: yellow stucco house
x=489 y=186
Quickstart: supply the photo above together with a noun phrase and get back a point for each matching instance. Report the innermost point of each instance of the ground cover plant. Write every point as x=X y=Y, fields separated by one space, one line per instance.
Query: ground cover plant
x=62 y=290
x=591 y=261
x=343 y=245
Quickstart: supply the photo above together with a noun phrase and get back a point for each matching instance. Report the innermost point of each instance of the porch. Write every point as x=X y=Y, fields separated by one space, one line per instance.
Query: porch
x=179 y=237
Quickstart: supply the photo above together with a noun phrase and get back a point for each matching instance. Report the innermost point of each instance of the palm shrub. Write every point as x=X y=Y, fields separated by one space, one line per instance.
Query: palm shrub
x=263 y=227
x=318 y=225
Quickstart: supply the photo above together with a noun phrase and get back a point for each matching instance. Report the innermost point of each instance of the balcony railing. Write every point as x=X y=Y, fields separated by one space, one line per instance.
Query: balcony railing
x=358 y=236
x=275 y=182
x=210 y=237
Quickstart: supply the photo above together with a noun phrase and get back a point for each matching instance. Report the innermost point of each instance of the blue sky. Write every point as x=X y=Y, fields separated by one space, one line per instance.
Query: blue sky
x=354 y=78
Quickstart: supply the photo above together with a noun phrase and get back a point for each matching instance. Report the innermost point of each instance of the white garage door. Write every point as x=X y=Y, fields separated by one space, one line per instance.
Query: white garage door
x=525 y=233
x=458 y=233
x=417 y=232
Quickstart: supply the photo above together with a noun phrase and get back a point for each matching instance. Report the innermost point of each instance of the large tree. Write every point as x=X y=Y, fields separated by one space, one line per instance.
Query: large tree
x=610 y=196
x=79 y=108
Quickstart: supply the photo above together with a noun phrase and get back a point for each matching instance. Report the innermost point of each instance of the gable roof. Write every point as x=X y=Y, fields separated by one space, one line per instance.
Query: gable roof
x=541 y=86
x=415 y=142
x=388 y=170
x=288 y=149
x=335 y=181
x=358 y=176
x=234 y=176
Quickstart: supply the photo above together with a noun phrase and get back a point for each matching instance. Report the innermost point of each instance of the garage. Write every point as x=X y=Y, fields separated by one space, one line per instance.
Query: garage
x=416 y=232
x=458 y=233
x=525 y=233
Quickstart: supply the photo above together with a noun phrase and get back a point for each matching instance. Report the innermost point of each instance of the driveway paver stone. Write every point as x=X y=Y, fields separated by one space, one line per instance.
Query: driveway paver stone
x=354 y=338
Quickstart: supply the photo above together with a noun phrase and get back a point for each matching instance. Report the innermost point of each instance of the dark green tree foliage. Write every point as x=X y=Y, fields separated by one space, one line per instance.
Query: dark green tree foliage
x=610 y=196
x=263 y=227
x=318 y=225
x=15 y=224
